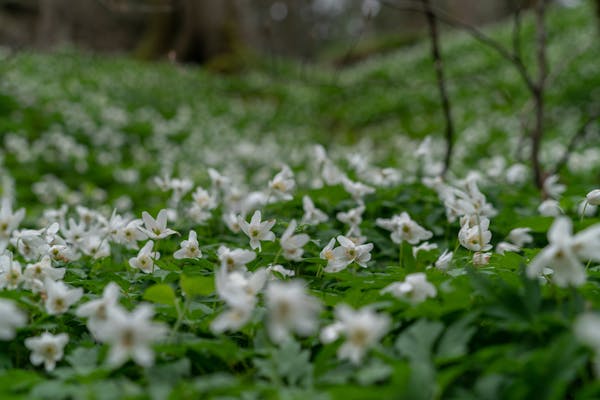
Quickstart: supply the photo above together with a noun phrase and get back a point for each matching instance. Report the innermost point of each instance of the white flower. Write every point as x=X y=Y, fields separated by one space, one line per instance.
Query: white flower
x=9 y=221
x=516 y=174
x=204 y=199
x=331 y=173
x=469 y=202
x=352 y=217
x=443 y=262
x=253 y=201
x=593 y=197
x=30 y=243
x=132 y=233
x=414 y=288
x=180 y=188
x=42 y=270
x=62 y=252
x=10 y=272
x=130 y=334
x=333 y=264
x=232 y=222
x=550 y=208
x=145 y=259
x=385 y=177
x=11 y=318
x=203 y=203
x=59 y=297
x=95 y=246
x=291 y=244
x=586 y=209
x=283 y=183
x=47 y=349
x=312 y=215
x=552 y=188
x=425 y=246
x=97 y=311
x=280 y=269
x=331 y=333
x=475 y=235
x=219 y=181
x=347 y=253
x=403 y=228
x=189 y=248
x=564 y=252
x=520 y=236
x=481 y=258
x=239 y=290
x=257 y=230
x=232 y=319
x=356 y=189
x=503 y=247
x=362 y=328
x=156 y=228
x=290 y=310
x=234 y=259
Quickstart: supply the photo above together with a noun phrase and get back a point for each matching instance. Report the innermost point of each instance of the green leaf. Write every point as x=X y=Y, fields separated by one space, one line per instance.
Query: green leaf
x=375 y=371
x=416 y=343
x=83 y=359
x=197 y=285
x=417 y=340
x=161 y=294
x=454 y=342
x=288 y=363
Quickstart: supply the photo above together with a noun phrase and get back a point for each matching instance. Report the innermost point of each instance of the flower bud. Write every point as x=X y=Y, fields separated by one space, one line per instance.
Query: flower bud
x=593 y=197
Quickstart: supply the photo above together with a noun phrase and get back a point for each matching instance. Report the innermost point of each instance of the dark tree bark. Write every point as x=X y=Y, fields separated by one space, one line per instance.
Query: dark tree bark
x=438 y=64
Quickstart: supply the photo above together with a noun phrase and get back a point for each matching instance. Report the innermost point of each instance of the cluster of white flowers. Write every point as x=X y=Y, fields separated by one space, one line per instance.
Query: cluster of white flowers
x=251 y=284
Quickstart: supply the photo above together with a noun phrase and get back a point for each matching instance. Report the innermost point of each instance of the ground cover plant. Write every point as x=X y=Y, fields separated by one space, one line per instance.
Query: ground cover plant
x=168 y=233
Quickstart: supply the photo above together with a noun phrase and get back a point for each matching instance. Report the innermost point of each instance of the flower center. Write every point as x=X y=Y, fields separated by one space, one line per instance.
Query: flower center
x=49 y=351
x=283 y=310
x=59 y=304
x=358 y=337
x=128 y=338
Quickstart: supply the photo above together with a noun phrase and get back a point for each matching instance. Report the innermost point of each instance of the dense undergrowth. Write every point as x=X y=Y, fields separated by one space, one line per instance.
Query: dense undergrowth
x=89 y=143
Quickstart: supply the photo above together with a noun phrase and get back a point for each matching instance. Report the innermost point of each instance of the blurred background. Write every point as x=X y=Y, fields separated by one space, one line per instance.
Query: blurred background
x=219 y=31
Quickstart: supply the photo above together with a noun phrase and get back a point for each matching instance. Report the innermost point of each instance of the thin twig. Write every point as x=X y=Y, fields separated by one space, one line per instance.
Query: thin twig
x=516 y=34
x=439 y=72
x=477 y=34
x=552 y=76
x=538 y=93
x=579 y=135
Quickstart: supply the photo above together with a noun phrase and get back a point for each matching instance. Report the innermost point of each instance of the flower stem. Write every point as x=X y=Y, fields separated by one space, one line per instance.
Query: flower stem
x=401 y=255
x=583 y=211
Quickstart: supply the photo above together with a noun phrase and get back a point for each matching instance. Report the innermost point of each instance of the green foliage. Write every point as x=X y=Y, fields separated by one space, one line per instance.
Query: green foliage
x=489 y=333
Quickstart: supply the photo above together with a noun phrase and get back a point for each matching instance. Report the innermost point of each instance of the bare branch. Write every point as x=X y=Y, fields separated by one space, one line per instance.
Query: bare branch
x=538 y=93
x=439 y=72
x=477 y=34
x=516 y=34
